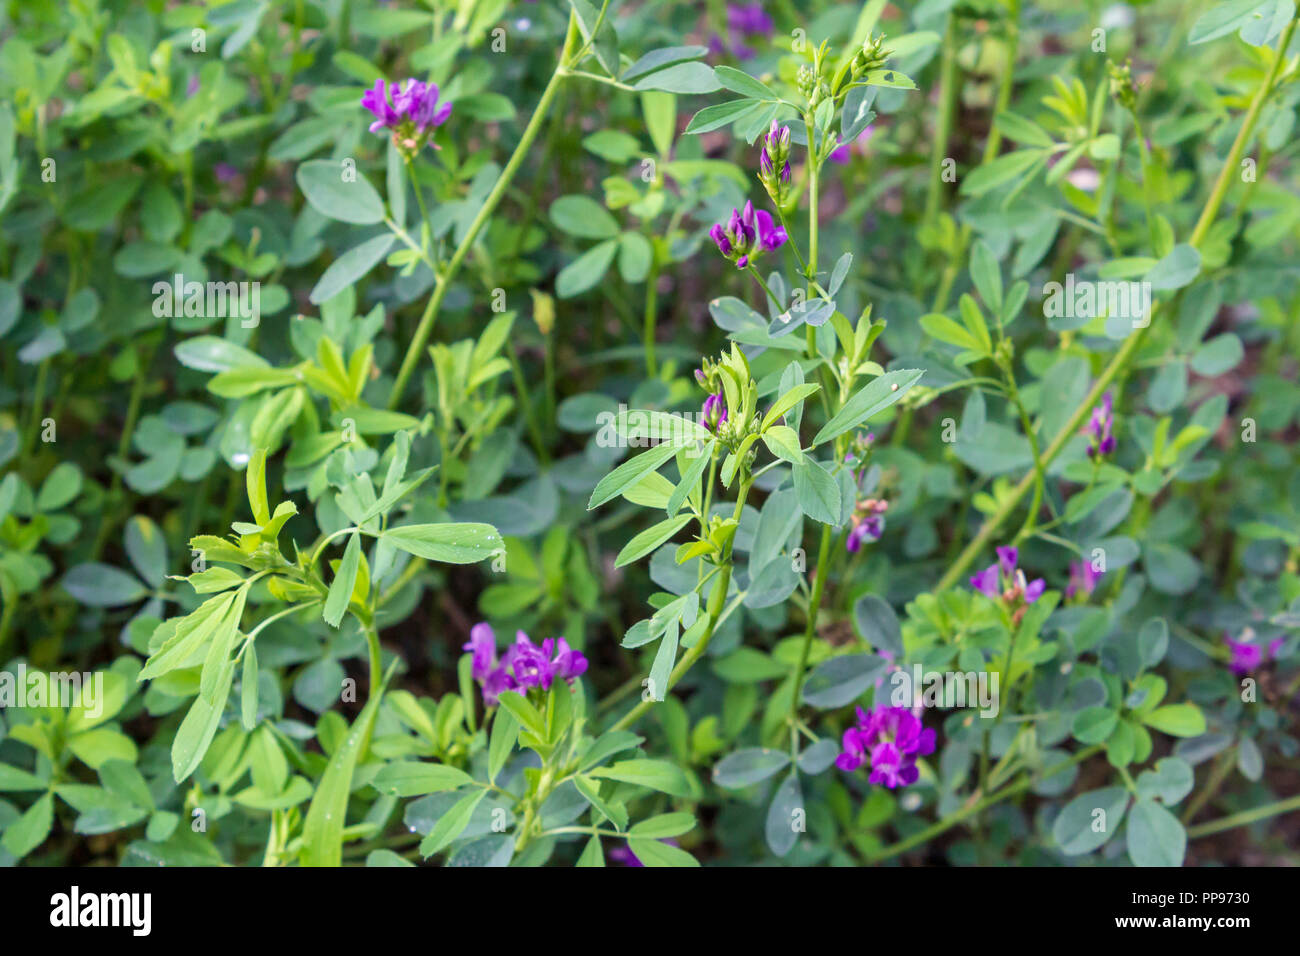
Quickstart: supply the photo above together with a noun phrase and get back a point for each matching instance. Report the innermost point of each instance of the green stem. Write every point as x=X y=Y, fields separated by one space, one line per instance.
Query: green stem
x=810 y=628
x=651 y=310
x=446 y=275
x=1246 y=816
x=947 y=80
x=376 y=660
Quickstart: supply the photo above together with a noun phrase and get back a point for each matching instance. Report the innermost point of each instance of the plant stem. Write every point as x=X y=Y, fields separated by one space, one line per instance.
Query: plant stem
x=1245 y=817
x=947 y=79
x=810 y=628
x=651 y=308
x=376 y=660
x=445 y=276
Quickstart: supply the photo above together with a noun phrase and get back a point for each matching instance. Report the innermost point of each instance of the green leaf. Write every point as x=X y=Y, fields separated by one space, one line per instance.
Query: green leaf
x=1002 y=169
x=345 y=579
x=987 y=275
x=582 y=216
x=585 y=271
x=783 y=442
x=1178 y=269
x=200 y=724
x=664 y=826
x=1177 y=720
x=1170 y=781
x=1155 y=837
x=592 y=855
x=351 y=266
x=30 y=830
x=741 y=82
x=101 y=585
x=604 y=41
x=449 y=543
x=780 y=829
x=661 y=58
x=408 y=778
x=354 y=201
x=788 y=401
x=749 y=766
x=322 y=831
x=650 y=539
x=659 y=775
x=655 y=853
x=451 y=824
x=629 y=473
x=817 y=492
x=720 y=115
x=693 y=77
x=1092 y=725
x=505 y=731
x=841 y=680
x=878 y=624
x=523 y=711
x=869 y=401
x=12 y=778
x=943 y=329
x=1089 y=820
x=1020 y=130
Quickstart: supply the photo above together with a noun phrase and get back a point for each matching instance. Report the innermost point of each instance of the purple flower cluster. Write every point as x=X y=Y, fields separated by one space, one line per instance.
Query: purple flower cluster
x=1099 y=428
x=524 y=665
x=747 y=234
x=1246 y=655
x=1001 y=580
x=744 y=20
x=891 y=738
x=411 y=110
x=1083 y=579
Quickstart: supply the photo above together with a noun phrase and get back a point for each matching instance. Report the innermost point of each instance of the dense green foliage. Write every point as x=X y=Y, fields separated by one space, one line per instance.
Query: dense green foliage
x=293 y=407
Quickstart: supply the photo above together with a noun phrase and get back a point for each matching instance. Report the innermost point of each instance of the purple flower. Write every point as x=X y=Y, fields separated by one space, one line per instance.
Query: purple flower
x=746 y=234
x=483 y=645
x=714 y=412
x=842 y=153
x=868 y=523
x=986 y=582
x=411 y=110
x=749 y=18
x=774 y=162
x=743 y=20
x=225 y=173
x=523 y=666
x=1247 y=655
x=890 y=738
x=1083 y=579
x=1003 y=581
x=1099 y=428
